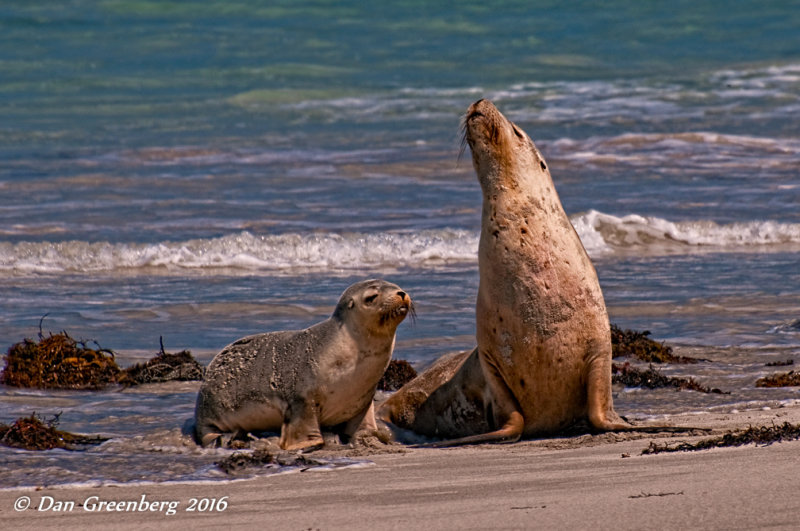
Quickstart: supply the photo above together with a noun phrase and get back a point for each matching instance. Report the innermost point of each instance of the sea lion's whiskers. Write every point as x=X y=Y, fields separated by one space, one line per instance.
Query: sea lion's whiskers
x=412 y=313
x=391 y=311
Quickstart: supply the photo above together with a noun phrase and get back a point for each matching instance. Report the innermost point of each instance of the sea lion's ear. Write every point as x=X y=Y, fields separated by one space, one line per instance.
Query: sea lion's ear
x=351 y=303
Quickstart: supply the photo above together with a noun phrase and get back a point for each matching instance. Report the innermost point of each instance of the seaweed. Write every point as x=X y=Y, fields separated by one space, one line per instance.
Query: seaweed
x=644 y=494
x=786 y=379
x=652 y=379
x=761 y=435
x=59 y=362
x=165 y=367
x=30 y=433
x=640 y=346
x=397 y=374
x=779 y=363
x=239 y=461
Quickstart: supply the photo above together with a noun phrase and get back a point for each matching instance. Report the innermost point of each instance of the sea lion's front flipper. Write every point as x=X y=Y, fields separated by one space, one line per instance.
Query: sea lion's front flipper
x=362 y=422
x=209 y=438
x=600 y=406
x=301 y=430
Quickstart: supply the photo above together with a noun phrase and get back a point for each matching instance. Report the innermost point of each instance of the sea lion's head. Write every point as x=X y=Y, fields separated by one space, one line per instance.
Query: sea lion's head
x=375 y=305
x=502 y=153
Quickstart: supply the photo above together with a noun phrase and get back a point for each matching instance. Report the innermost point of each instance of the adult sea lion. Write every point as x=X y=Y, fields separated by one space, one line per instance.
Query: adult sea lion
x=299 y=382
x=543 y=359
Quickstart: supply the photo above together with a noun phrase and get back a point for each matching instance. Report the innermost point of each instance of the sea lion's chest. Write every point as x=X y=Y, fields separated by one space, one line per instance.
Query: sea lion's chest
x=529 y=237
x=347 y=376
x=534 y=272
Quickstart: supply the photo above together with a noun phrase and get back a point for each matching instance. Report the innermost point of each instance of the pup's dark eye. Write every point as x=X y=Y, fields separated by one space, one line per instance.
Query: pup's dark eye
x=370 y=299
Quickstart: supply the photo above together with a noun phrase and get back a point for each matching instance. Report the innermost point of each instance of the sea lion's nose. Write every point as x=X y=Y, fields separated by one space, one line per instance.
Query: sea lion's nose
x=402 y=295
x=476 y=108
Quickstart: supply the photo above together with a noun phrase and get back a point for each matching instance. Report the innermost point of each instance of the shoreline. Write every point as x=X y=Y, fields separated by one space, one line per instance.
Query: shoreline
x=602 y=481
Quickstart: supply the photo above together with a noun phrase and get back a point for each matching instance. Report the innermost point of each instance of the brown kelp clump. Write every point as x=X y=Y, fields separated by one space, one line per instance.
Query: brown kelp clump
x=264 y=459
x=630 y=376
x=30 y=433
x=640 y=346
x=397 y=374
x=240 y=461
x=166 y=367
x=786 y=379
x=59 y=362
x=779 y=363
x=762 y=435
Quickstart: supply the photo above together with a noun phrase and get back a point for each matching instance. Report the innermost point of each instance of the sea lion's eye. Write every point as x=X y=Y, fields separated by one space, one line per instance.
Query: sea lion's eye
x=370 y=299
x=517 y=131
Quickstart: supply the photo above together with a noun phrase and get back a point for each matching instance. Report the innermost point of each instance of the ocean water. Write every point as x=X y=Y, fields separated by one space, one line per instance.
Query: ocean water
x=206 y=170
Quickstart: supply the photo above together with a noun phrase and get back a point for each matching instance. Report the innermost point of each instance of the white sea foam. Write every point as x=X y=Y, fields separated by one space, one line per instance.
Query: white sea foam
x=247 y=251
x=602 y=235
x=791 y=327
x=703 y=152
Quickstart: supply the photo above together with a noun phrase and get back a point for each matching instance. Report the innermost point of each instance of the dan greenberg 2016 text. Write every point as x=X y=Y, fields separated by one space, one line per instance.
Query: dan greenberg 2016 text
x=94 y=504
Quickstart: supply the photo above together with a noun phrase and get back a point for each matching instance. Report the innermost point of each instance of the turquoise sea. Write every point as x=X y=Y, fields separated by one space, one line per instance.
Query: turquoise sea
x=202 y=171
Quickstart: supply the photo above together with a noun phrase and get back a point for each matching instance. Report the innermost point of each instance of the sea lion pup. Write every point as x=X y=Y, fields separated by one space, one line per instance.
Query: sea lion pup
x=299 y=382
x=543 y=359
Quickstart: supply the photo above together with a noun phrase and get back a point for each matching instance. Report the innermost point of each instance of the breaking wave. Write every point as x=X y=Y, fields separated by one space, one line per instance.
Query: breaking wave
x=247 y=251
x=602 y=234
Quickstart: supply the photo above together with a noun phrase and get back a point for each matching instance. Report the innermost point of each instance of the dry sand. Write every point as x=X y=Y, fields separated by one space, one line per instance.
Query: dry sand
x=587 y=482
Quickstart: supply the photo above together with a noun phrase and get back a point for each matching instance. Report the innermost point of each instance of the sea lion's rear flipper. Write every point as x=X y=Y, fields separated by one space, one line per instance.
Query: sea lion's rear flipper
x=301 y=429
x=509 y=433
x=503 y=407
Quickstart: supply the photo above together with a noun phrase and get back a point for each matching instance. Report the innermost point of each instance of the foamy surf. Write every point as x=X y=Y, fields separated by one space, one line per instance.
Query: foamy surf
x=602 y=235
x=156 y=457
x=246 y=251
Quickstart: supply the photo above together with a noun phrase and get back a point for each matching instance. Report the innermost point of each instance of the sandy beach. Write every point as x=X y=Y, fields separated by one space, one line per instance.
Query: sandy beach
x=590 y=481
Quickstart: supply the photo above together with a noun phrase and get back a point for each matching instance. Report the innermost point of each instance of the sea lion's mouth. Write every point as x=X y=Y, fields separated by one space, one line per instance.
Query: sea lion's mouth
x=398 y=312
x=474 y=114
x=483 y=123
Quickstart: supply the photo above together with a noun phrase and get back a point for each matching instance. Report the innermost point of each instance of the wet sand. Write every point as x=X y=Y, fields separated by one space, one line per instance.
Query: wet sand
x=597 y=482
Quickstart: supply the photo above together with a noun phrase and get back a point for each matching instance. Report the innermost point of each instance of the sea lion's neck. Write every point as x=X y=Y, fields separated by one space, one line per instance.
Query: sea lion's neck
x=368 y=341
x=531 y=195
